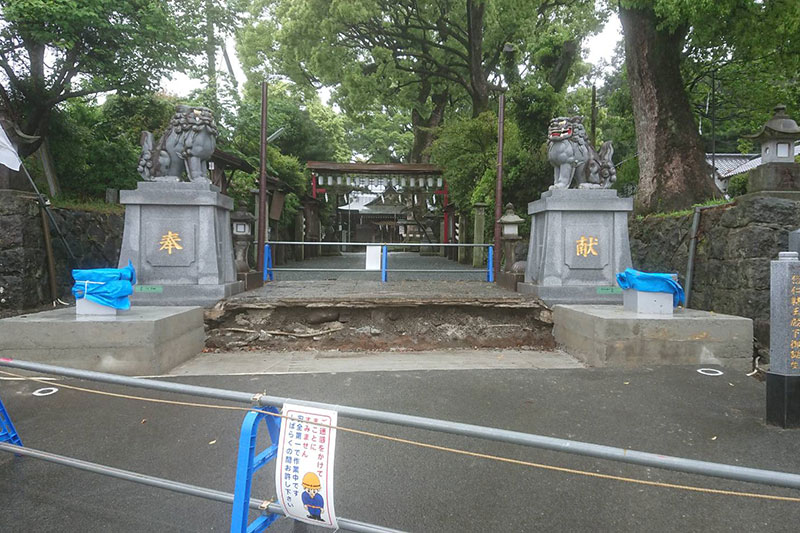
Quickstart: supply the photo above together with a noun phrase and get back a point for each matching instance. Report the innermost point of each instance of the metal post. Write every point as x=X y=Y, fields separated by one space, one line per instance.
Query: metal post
x=51 y=262
x=588 y=449
x=593 y=134
x=383 y=263
x=248 y=462
x=498 y=190
x=690 y=262
x=267 y=266
x=714 y=124
x=262 y=179
x=490 y=265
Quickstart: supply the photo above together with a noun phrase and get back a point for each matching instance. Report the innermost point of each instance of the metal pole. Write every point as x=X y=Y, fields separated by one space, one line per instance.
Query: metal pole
x=713 y=124
x=690 y=261
x=384 y=253
x=51 y=262
x=498 y=190
x=262 y=180
x=490 y=265
x=174 y=486
x=42 y=203
x=599 y=451
x=594 y=116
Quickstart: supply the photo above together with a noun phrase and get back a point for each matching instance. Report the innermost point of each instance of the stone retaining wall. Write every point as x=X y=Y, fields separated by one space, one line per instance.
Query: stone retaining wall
x=94 y=238
x=735 y=245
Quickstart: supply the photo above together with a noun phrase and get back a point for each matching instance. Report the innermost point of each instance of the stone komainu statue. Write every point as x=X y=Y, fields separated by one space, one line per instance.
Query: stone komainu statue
x=187 y=145
x=575 y=159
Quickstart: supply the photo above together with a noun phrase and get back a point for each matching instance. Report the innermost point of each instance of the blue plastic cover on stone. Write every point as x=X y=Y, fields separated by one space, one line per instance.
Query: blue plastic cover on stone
x=105 y=286
x=652 y=282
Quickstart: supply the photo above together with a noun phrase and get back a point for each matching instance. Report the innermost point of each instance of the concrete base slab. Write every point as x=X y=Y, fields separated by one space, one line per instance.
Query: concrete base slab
x=141 y=341
x=604 y=335
x=183 y=295
x=572 y=294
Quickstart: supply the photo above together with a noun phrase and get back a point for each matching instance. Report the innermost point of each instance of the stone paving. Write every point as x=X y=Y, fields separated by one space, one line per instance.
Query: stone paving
x=377 y=291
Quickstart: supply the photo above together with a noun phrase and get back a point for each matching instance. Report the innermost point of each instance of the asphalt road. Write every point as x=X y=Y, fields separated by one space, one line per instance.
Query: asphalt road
x=669 y=410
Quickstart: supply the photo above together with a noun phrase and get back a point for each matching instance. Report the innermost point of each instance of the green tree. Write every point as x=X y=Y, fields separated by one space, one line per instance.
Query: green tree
x=311 y=132
x=673 y=170
x=55 y=50
x=97 y=146
x=419 y=57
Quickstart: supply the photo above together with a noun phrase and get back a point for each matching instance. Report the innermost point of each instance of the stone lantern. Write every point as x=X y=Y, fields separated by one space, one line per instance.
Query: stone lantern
x=510 y=222
x=510 y=229
x=242 y=229
x=778 y=171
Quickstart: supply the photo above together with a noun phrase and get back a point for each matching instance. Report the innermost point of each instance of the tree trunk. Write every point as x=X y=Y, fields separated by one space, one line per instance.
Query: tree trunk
x=49 y=169
x=673 y=173
x=424 y=128
x=479 y=84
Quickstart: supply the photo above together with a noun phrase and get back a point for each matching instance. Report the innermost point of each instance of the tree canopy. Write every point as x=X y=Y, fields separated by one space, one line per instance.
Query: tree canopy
x=55 y=50
x=405 y=81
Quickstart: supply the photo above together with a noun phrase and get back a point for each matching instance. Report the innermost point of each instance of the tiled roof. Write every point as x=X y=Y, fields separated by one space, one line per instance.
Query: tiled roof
x=748 y=165
x=728 y=162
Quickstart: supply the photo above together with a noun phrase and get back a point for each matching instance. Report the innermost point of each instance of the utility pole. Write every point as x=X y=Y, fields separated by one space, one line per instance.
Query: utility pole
x=262 y=181
x=714 y=124
x=498 y=190
x=594 y=117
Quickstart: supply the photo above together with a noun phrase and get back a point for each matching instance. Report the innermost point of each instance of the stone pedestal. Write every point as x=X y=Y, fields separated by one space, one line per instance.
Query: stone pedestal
x=647 y=303
x=608 y=335
x=141 y=341
x=178 y=237
x=579 y=242
x=783 y=378
x=774 y=177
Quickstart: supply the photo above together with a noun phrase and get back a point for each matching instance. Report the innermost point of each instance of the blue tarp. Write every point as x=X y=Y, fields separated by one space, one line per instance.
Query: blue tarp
x=651 y=282
x=105 y=286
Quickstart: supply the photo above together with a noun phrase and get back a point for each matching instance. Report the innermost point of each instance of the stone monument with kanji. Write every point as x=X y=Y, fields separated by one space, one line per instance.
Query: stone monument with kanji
x=178 y=233
x=579 y=228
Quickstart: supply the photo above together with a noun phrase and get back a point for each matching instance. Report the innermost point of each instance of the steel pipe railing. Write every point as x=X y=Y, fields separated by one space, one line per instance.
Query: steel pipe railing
x=390 y=244
x=599 y=451
x=174 y=486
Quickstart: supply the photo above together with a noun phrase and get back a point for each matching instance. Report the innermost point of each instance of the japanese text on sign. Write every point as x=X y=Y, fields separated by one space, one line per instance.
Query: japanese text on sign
x=794 y=323
x=304 y=473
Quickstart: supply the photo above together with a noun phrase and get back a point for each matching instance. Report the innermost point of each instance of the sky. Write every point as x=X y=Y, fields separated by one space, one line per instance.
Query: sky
x=599 y=47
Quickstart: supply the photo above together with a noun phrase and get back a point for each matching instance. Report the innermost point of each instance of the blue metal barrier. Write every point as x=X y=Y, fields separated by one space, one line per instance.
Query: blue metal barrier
x=8 y=432
x=268 y=263
x=384 y=256
x=248 y=463
x=490 y=265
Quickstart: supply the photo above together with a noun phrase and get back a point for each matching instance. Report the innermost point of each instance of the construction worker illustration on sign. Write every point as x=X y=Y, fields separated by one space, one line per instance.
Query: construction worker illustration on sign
x=304 y=475
x=312 y=499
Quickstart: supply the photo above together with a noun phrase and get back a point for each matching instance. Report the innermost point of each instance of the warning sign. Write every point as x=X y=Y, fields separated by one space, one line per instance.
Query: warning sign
x=304 y=473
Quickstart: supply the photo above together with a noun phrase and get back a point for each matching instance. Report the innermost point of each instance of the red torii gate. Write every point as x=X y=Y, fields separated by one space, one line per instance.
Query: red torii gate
x=348 y=176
